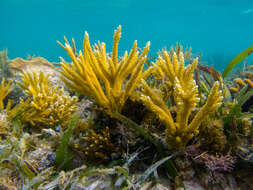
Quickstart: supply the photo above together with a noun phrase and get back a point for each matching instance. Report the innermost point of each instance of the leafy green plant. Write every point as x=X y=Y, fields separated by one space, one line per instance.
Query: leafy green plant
x=159 y=146
x=38 y=180
x=151 y=169
x=233 y=120
x=12 y=157
x=241 y=56
x=240 y=99
x=63 y=156
x=4 y=66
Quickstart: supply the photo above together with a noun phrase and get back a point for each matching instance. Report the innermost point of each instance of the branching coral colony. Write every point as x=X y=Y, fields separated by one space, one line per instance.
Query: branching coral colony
x=185 y=93
x=48 y=106
x=87 y=71
x=104 y=78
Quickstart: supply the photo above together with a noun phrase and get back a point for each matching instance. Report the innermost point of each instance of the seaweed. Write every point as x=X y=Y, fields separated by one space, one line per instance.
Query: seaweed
x=4 y=64
x=241 y=56
x=63 y=156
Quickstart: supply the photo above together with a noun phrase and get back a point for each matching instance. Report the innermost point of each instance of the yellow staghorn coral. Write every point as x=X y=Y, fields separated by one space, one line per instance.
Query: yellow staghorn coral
x=177 y=49
x=4 y=91
x=186 y=97
x=45 y=105
x=102 y=77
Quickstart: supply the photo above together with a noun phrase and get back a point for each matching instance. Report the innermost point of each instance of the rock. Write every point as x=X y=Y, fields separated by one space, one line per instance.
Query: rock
x=36 y=64
x=160 y=187
x=41 y=158
x=191 y=185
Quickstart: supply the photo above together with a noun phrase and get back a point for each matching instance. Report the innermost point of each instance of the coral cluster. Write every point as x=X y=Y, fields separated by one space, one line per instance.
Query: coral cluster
x=47 y=106
x=185 y=94
x=102 y=77
x=177 y=49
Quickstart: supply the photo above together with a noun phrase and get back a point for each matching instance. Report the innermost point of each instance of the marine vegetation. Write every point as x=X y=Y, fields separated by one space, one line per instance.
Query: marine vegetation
x=171 y=125
x=4 y=64
x=4 y=91
x=239 y=58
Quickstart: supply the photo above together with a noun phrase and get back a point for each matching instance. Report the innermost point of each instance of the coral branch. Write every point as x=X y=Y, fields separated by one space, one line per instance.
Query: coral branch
x=171 y=67
x=102 y=77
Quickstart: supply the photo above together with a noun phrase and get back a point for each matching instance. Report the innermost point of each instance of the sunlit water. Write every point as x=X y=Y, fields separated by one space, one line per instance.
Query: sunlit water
x=219 y=29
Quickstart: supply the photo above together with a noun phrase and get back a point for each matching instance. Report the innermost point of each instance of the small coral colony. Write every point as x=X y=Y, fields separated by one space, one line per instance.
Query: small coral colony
x=127 y=121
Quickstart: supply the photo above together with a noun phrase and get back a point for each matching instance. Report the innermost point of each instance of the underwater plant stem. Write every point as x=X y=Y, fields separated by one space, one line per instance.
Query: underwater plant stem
x=129 y=123
x=63 y=157
x=241 y=56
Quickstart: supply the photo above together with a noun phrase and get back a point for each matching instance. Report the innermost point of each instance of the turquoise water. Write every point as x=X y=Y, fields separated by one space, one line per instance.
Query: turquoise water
x=220 y=29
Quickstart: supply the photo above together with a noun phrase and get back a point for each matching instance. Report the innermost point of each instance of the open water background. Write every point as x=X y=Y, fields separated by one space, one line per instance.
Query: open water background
x=219 y=29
